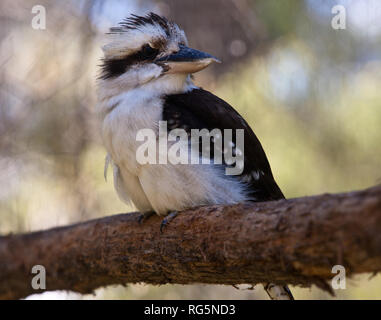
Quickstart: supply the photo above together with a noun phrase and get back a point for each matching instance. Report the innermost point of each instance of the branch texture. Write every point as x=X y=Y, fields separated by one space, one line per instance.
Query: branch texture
x=295 y=241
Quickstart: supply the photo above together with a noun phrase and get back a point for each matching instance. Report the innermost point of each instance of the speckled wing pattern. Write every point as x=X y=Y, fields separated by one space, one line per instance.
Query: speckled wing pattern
x=199 y=109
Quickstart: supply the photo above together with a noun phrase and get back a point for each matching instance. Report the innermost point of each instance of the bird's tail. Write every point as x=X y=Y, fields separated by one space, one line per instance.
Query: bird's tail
x=277 y=292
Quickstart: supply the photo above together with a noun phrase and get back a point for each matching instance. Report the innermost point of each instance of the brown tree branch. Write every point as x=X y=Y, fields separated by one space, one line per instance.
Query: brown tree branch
x=295 y=241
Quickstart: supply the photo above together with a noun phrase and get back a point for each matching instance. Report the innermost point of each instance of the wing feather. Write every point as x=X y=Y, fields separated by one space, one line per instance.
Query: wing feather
x=199 y=109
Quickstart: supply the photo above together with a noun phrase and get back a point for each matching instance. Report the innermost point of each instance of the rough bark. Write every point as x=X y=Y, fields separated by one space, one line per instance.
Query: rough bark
x=295 y=241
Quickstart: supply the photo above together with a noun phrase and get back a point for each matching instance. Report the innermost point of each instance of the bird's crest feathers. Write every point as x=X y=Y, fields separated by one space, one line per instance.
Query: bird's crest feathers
x=135 y=22
x=135 y=31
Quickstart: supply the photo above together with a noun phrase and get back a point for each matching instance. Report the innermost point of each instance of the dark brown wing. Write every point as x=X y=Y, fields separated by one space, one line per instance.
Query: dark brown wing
x=199 y=109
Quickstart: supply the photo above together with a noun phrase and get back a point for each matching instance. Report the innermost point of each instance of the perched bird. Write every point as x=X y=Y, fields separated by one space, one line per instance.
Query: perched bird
x=146 y=78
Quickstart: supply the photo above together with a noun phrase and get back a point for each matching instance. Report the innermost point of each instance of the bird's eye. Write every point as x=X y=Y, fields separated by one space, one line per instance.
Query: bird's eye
x=148 y=52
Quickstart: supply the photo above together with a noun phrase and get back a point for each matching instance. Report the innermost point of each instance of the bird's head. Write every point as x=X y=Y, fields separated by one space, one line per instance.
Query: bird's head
x=150 y=50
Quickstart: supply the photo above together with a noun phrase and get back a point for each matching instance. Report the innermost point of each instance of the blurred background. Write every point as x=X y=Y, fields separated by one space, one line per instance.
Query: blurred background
x=310 y=92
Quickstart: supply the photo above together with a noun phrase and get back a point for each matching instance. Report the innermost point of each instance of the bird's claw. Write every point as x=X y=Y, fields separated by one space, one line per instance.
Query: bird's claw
x=167 y=220
x=144 y=216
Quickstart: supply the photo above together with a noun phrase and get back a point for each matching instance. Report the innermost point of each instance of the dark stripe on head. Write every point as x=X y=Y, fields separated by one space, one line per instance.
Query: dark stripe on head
x=112 y=68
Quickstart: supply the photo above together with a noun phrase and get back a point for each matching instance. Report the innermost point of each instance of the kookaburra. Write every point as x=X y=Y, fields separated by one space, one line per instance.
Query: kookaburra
x=146 y=80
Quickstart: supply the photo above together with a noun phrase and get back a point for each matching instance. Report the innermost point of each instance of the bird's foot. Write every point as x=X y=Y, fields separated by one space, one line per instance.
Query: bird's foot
x=167 y=220
x=144 y=216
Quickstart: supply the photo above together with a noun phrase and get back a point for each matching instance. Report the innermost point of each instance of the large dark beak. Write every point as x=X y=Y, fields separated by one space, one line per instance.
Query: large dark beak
x=187 y=60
